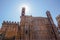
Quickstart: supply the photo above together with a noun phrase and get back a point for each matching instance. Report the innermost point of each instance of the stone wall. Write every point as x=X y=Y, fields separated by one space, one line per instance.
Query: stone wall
x=9 y=28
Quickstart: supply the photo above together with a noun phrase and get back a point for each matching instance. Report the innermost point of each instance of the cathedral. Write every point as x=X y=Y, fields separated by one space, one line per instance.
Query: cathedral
x=31 y=28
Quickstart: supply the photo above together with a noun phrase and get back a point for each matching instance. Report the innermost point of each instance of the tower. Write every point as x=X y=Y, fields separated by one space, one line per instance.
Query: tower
x=58 y=20
x=23 y=11
x=53 y=27
x=49 y=17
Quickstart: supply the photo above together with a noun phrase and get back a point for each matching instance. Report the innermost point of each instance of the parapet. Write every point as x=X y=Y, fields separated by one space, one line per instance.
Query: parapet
x=9 y=22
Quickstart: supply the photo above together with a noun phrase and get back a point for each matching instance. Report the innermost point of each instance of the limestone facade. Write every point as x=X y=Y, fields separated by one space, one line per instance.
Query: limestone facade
x=31 y=28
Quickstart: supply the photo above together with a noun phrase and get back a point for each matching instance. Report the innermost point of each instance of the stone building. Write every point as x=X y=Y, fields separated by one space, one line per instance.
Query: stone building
x=31 y=28
x=58 y=21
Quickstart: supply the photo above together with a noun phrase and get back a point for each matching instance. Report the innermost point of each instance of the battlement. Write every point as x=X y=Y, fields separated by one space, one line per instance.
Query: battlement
x=10 y=22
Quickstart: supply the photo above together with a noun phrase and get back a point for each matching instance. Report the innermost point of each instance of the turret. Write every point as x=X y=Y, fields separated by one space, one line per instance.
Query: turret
x=23 y=11
x=58 y=20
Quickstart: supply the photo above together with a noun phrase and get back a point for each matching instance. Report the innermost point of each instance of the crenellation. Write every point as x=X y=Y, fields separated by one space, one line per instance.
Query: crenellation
x=12 y=22
x=5 y=22
x=31 y=28
x=17 y=22
x=9 y=22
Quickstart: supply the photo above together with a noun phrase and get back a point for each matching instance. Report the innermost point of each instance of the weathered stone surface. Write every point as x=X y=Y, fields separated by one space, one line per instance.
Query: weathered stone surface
x=31 y=28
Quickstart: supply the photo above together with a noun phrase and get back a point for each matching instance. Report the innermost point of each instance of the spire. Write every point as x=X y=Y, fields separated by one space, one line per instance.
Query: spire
x=23 y=11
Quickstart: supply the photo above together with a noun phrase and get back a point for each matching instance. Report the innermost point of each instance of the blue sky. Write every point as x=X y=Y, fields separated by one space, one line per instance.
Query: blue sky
x=9 y=9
